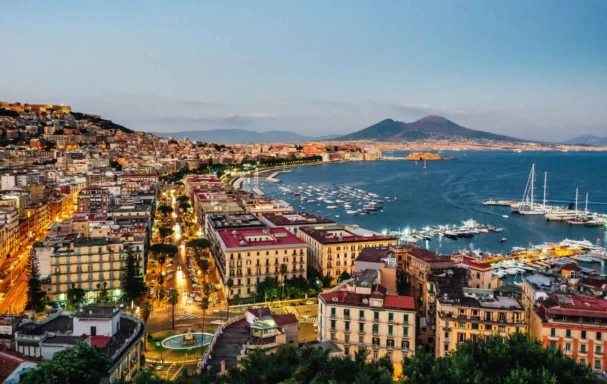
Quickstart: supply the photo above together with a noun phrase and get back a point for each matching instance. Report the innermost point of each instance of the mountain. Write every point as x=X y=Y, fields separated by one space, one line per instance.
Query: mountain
x=435 y=127
x=592 y=140
x=230 y=136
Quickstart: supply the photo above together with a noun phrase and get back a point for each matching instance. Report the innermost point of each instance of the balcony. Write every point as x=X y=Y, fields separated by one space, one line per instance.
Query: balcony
x=347 y=317
x=390 y=347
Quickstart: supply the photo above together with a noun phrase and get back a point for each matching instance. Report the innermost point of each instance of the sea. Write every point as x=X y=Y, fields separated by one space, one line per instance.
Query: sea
x=449 y=192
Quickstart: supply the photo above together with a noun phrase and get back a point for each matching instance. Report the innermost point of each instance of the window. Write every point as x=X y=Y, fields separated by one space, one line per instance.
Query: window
x=598 y=350
x=405 y=345
x=347 y=313
x=332 y=312
x=376 y=316
x=583 y=335
x=597 y=364
x=390 y=344
x=390 y=317
x=553 y=345
x=406 y=319
x=474 y=326
x=487 y=316
x=582 y=348
x=461 y=337
x=552 y=332
x=347 y=325
x=583 y=361
x=599 y=336
x=375 y=342
x=361 y=314
x=568 y=333
x=332 y=325
x=375 y=329
x=390 y=330
x=406 y=332
x=346 y=351
x=93 y=331
x=568 y=347
x=361 y=327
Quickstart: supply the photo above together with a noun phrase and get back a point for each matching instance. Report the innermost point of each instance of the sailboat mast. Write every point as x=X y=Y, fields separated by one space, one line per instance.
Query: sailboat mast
x=532 y=183
x=576 y=198
x=586 y=202
x=545 y=186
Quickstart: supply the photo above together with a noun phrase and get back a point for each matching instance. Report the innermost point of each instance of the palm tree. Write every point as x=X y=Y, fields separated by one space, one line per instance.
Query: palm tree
x=173 y=299
x=283 y=272
x=204 y=264
x=146 y=311
x=229 y=284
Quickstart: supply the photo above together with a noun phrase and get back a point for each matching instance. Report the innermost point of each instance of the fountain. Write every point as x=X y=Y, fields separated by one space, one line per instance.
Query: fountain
x=187 y=340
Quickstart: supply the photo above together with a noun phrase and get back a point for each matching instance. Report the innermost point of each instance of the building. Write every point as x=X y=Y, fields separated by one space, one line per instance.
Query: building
x=91 y=263
x=248 y=256
x=474 y=314
x=332 y=250
x=359 y=313
x=481 y=275
x=576 y=324
x=269 y=331
x=120 y=336
x=294 y=221
x=9 y=225
x=14 y=365
x=93 y=200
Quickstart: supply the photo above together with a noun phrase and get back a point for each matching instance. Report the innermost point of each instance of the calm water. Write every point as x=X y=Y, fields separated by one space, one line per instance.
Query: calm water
x=452 y=191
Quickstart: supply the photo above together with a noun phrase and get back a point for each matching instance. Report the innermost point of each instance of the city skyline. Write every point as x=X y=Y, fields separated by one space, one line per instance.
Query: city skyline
x=527 y=70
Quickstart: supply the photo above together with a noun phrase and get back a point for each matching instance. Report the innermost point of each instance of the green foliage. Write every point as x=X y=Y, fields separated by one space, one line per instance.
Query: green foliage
x=165 y=210
x=131 y=280
x=306 y=366
x=516 y=360
x=80 y=364
x=344 y=276
x=165 y=232
x=148 y=377
x=173 y=299
x=184 y=206
x=182 y=199
x=75 y=295
x=35 y=294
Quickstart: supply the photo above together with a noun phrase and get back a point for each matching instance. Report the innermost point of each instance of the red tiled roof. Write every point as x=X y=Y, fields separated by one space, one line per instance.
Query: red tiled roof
x=469 y=261
x=258 y=237
x=379 y=288
x=571 y=267
x=285 y=319
x=401 y=302
x=100 y=341
x=9 y=361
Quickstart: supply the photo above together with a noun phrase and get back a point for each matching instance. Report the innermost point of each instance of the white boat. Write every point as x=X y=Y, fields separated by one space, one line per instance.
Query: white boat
x=331 y=206
x=351 y=212
x=528 y=206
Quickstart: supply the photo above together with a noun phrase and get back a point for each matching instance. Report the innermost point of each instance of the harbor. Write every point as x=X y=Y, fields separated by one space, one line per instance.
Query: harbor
x=467 y=229
x=571 y=214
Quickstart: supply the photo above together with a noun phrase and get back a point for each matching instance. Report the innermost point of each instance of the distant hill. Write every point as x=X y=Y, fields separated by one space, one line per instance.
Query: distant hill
x=103 y=123
x=592 y=140
x=429 y=127
x=231 y=136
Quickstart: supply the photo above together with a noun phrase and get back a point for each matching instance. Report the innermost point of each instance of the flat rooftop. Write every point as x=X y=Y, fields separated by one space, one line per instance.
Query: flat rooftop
x=296 y=219
x=258 y=238
x=234 y=221
x=343 y=234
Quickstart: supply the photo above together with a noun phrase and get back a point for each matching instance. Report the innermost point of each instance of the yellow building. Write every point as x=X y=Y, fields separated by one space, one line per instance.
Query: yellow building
x=249 y=256
x=359 y=314
x=333 y=250
x=91 y=264
x=474 y=314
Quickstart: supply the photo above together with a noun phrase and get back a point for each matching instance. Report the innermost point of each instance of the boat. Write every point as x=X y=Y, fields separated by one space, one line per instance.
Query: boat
x=505 y=216
x=331 y=206
x=450 y=234
x=498 y=230
x=528 y=206
x=503 y=240
x=351 y=212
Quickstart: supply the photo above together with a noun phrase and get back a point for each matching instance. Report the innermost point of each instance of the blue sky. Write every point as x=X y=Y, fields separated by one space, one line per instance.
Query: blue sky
x=534 y=69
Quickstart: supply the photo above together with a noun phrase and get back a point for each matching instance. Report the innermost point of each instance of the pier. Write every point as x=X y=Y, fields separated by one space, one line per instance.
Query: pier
x=272 y=178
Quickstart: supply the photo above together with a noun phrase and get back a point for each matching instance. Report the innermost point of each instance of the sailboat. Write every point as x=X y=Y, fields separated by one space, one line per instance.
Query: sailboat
x=395 y=198
x=425 y=168
x=583 y=218
x=527 y=206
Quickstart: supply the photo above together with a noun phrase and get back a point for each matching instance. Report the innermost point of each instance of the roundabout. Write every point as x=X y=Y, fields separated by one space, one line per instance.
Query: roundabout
x=187 y=340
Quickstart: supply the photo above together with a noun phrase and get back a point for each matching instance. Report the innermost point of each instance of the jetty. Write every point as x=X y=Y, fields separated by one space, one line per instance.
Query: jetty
x=272 y=178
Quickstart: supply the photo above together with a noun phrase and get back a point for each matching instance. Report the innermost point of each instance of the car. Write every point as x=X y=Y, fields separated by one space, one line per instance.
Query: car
x=198 y=298
x=179 y=267
x=309 y=302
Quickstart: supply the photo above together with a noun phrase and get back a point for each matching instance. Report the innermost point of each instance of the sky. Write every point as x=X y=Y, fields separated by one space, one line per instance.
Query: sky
x=531 y=69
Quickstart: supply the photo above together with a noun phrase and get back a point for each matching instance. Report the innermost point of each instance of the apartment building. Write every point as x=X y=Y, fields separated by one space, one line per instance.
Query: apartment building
x=294 y=221
x=481 y=275
x=248 y=256
x=93 y=200
x=360 y=314
x=332 y=250
x=574 y=323
x=9 y=224
x=474 y=314
x=90 y=263
x=228 y=221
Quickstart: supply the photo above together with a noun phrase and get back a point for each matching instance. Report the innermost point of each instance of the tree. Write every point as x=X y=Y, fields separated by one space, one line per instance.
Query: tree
x=204 y=264
x=35 y=294
x=268 y=289
x=165 y=210
x=131 y=280
x=182 y=199
x=104 y=295
x=162 y=251
x=79 y=364
x=204 y=304
x=198 y=245
x=146 y=312
x=516 y=359
x=165 y=232
x=229 y=284
x=148 y=377
x=184 y=206
x=173 y=298
x=75 y=295
x=283 y=271
x=344 y=276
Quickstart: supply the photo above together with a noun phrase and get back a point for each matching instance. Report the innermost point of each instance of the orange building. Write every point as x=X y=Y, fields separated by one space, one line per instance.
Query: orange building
x=574 y=323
